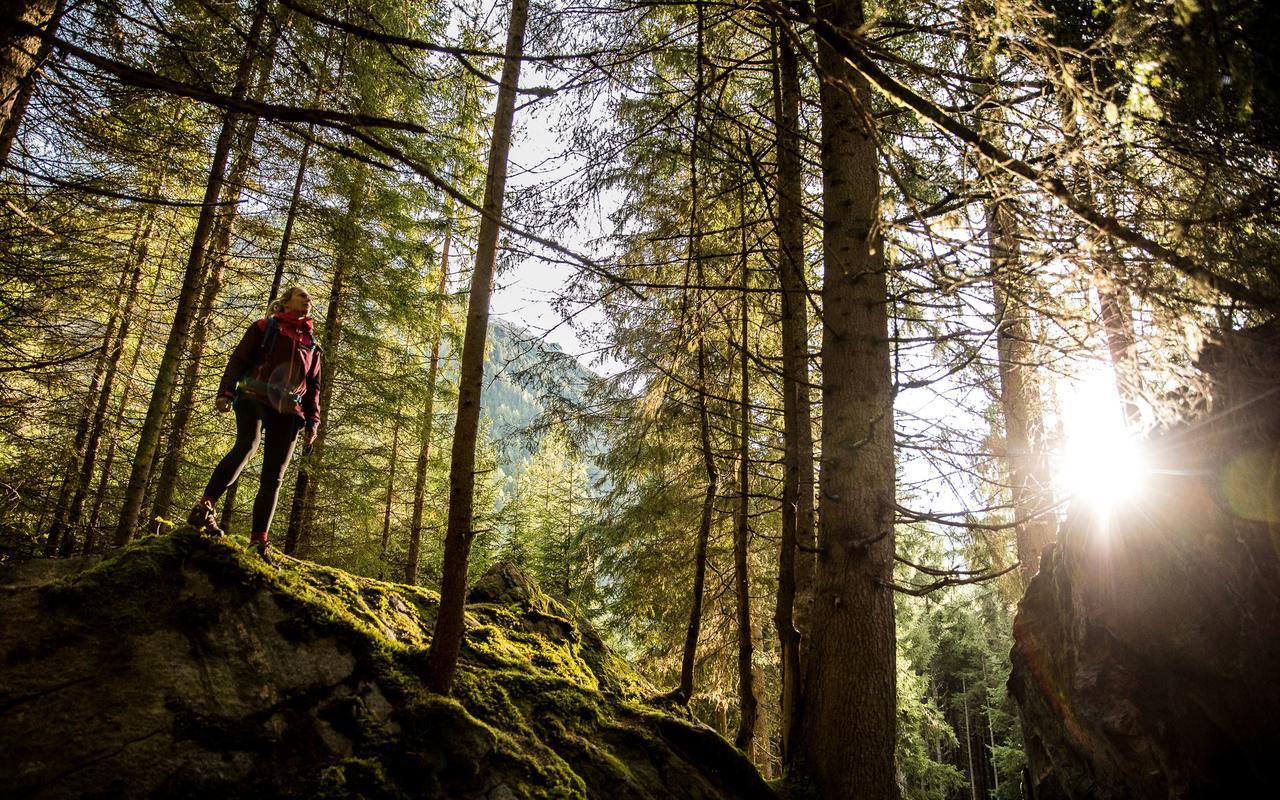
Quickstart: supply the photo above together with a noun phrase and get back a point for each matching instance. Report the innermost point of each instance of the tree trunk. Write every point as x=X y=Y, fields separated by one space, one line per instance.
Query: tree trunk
x=693 y=631
x=795 y=558
x=71 y=472
x=112 y=433
x=12 y=117
x=1011 y=286
x=442 y=659
x=114 y=351
x=848 y=706
x=282 y=255
x=1019 y=396
x=216 y=259
x=302 y=512
x=428 y=415
x=21 y=54
x=391 y=492
x=1117 y=327
x=183 y=313
x=748 y=689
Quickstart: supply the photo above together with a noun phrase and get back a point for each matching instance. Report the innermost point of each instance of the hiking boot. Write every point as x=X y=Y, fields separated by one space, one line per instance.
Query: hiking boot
x=203 y=520
x=264 y=551
x=266 y=554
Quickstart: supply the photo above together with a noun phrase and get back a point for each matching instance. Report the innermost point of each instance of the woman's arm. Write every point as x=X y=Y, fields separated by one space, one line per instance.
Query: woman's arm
x=311 y=399
x=242 y=358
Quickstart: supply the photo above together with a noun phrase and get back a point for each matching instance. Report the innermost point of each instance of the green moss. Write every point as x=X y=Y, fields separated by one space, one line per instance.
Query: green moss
x=535 y=698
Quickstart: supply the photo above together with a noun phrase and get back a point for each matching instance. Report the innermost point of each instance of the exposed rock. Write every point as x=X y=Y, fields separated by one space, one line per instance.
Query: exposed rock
x=1146 y=659
x=180 y=667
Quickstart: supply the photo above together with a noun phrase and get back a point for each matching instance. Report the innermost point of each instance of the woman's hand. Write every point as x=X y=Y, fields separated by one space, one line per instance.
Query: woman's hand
x=223 y=404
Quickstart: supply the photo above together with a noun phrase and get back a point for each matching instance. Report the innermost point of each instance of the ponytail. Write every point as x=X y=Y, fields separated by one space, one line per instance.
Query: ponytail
x=277 y=305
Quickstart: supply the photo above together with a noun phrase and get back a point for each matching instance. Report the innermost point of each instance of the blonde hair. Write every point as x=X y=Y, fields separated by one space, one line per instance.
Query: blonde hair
x=277 y=305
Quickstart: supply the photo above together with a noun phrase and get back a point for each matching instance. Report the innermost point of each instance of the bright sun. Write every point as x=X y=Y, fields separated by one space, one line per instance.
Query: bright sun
x=1100 y=463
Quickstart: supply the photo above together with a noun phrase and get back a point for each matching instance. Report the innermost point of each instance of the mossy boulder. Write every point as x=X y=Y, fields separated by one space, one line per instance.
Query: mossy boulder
x=185 y=667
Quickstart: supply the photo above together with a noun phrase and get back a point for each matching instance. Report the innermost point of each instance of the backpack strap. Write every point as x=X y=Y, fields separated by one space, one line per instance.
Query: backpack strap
x=268 y=337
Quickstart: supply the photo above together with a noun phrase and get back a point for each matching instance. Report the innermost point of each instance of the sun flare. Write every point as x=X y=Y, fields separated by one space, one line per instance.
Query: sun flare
x=1100 y=462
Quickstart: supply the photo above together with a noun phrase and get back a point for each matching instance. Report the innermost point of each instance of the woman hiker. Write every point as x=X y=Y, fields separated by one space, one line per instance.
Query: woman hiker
x=273 y=382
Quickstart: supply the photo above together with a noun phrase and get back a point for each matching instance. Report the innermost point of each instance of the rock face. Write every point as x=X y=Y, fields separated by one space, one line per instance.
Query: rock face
x=1146 y=659
x=180 y=667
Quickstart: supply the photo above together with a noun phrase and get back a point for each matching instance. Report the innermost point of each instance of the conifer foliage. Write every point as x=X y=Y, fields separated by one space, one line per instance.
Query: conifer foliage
x=841 y=270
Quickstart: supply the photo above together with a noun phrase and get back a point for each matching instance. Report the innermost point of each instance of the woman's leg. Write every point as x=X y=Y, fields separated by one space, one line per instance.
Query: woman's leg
x=249 y=415
x=281 y=432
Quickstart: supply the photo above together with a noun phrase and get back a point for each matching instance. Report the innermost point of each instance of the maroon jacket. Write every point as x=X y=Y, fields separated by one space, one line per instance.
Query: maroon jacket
x=286 y=375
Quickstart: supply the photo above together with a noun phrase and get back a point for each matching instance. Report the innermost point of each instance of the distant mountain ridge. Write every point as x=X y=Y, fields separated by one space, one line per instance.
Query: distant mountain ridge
x=519 y=370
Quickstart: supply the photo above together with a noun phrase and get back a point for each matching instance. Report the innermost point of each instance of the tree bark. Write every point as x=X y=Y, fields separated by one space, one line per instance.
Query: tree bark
x=21 y=54
x=848 y=706
x=112 y=433
x=302 y=512
x=428 y=415
x=795 y=557
x=442 y=659
x=391 y=493
x=183 y=313
x=748 y=691
x=26 y=87
x=115 y=348
x=694 y=629
x=216 y=260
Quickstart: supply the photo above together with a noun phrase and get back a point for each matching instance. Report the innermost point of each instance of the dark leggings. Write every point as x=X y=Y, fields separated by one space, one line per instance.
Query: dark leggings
x=252 y=419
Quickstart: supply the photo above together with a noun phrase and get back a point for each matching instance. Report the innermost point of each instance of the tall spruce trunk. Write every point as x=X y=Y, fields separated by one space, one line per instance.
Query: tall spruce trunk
x=848 y=706
x=216 y=260
x=795 y=550
x=694 y=264
x=286 y=238
x=20 y=56
x=111 y=432
x=115 y=348
x=302 y=511
x=179 y=332
x=13 y=109
x=749 y=689
x=58 y=528
x=428 y=414
x=391 y=493
x=1012 y=285
x=1020 y=401
x=442 y=659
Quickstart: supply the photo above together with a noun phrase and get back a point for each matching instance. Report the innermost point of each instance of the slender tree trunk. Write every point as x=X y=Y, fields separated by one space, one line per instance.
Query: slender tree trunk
x=21 y=54
x=442 y=659
x=71 y=472
x=114 y=352
x=185 y=307
x=428 y=415
x=748 y=689
x=282 y=255
x=693 y=631
x=1019 y=398
x=302 y=513
x=228 y=506
x=1020 y=402
x=795 y=558
x=112 y=433
x=1117 y=327
x=14 y=61
x=216 y=260
x=848 y=706
x=391 y=491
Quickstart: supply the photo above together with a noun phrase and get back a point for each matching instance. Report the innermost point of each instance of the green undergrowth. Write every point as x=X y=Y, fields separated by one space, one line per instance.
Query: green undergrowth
x=536 y=695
